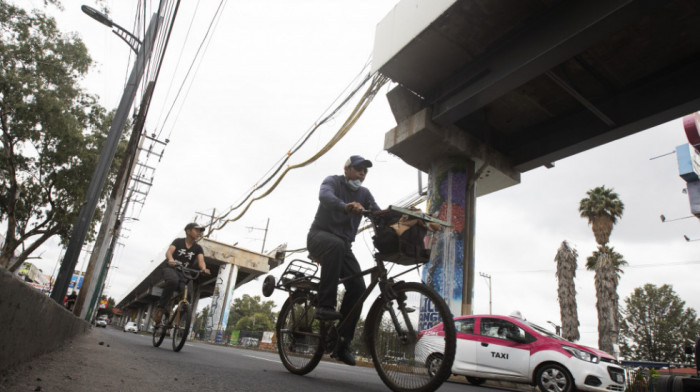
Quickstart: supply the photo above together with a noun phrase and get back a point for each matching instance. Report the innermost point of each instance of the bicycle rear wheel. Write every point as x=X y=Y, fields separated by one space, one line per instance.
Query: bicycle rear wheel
x=401 y=355
x=181 y=326
x=299 y=335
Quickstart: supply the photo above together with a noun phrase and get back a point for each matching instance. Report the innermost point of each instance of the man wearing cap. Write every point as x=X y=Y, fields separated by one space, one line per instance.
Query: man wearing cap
x=342 y=200
x=190 y=254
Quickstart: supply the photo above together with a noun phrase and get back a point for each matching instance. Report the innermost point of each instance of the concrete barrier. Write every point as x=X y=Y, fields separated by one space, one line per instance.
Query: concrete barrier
x=31 y=323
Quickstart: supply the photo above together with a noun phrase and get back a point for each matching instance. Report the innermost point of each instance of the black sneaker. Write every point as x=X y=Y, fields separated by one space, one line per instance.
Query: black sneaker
x=344 y=355
x=325 y=313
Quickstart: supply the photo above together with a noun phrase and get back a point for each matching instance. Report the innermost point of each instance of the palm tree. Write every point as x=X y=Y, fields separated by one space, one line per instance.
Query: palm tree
x=602 y=208
x=566 y=272
x=607 y=265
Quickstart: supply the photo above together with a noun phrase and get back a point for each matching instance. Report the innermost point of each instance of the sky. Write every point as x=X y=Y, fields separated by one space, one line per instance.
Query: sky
x=270 y=71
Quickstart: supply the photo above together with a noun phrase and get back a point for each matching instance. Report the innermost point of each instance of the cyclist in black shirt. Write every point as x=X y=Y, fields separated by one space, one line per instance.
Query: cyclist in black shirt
x=188 y=252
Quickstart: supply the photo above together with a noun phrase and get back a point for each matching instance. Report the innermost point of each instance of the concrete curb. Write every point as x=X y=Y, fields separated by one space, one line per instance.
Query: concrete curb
x=32 y=323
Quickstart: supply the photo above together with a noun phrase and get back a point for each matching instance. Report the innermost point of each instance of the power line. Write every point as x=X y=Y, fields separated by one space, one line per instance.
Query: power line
x=635 y=266
x=322 y=119
x=216 y=16
x=179 y=58
x=298 y=144
x=376 y=84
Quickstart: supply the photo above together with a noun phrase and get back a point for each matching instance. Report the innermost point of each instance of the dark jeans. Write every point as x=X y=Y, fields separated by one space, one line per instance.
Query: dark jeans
x=174 y=281
x=337 y=261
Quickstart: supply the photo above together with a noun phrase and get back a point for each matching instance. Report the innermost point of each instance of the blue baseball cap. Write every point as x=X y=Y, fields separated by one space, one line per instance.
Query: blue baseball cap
x=358 y=161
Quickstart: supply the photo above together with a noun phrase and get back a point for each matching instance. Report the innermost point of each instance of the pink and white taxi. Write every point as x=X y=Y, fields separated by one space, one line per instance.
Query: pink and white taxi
x=512 y=349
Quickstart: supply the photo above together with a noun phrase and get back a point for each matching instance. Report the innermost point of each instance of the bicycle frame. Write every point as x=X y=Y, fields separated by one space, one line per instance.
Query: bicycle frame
x=183 y=298
x=379 y=278
x=176 y=315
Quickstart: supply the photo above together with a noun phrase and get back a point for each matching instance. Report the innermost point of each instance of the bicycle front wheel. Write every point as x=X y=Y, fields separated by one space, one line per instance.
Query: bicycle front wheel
x=299 y=335
x=405 y=360
x=159 y=333
x=181 y=326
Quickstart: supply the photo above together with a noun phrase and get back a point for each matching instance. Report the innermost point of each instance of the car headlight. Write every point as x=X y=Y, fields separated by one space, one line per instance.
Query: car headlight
x=581 y=354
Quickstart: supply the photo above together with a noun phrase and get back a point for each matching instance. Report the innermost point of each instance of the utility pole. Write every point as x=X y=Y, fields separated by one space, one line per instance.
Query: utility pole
x=265 y=236
x=113 y=219
x=211 y=218
x=488 y=278
x=99 y=177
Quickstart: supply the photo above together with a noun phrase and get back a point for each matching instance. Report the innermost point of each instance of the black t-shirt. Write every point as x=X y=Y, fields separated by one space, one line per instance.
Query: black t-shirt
x=187 y=256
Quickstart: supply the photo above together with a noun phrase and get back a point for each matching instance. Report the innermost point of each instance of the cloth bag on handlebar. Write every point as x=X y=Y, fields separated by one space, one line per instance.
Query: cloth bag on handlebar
x=401 y=233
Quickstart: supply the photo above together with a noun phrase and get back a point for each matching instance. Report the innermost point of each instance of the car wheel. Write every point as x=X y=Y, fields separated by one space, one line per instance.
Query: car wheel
x=553 y=377
x=433 y=364
x=475 y=380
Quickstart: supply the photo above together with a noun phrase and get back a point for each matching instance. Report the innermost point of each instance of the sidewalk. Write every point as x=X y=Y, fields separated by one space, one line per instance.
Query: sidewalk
x=91 y=362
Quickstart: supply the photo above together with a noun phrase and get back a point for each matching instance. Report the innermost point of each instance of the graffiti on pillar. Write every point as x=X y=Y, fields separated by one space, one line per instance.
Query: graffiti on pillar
x=446 y=199
x=210 y=326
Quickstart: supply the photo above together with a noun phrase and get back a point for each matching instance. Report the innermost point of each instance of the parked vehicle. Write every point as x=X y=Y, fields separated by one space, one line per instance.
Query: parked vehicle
x=512 y=349
x=101 y=323
x=131 y=327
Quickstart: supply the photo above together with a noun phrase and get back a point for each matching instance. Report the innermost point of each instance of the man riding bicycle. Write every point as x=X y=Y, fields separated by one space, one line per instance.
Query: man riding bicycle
x=342 y=201
x=187 y=251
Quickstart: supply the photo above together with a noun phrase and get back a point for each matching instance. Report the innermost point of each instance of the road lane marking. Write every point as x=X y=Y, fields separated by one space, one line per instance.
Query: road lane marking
x=263 y=359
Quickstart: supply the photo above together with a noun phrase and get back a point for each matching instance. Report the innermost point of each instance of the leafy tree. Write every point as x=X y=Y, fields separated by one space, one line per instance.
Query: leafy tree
x=51 y=132
x=248 y=306
x=255 y=322
x=200 y=321
x=566 y=272
x=657 y=325
x=358 y=344
x=602 y=208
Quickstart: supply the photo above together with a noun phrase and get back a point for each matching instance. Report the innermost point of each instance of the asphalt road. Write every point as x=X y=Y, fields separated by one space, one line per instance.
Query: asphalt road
x=110 y=360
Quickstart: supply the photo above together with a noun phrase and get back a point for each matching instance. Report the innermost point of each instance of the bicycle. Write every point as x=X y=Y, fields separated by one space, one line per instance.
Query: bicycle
x=178 y=314
x=394 y=326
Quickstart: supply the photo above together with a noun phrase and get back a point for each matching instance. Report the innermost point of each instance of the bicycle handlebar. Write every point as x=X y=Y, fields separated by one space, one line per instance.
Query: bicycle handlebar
x=190 y=273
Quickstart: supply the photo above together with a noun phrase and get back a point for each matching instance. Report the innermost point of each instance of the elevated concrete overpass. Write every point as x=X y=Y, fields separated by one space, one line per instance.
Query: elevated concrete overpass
x=230 y=266
x=489 y=89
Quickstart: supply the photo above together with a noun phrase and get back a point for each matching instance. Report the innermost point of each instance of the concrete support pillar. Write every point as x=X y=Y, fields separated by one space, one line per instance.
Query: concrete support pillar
x=469 y=235
x=223 y=292
x=451 y=268
x=195 y=304
x=149 y=319
x=139 y=318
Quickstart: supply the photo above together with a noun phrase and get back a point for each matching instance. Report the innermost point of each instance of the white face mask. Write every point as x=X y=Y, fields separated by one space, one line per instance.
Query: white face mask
x=354 y=184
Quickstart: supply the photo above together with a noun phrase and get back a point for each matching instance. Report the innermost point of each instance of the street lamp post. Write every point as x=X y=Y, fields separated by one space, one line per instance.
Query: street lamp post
x=557 y=328
x=99 y=177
